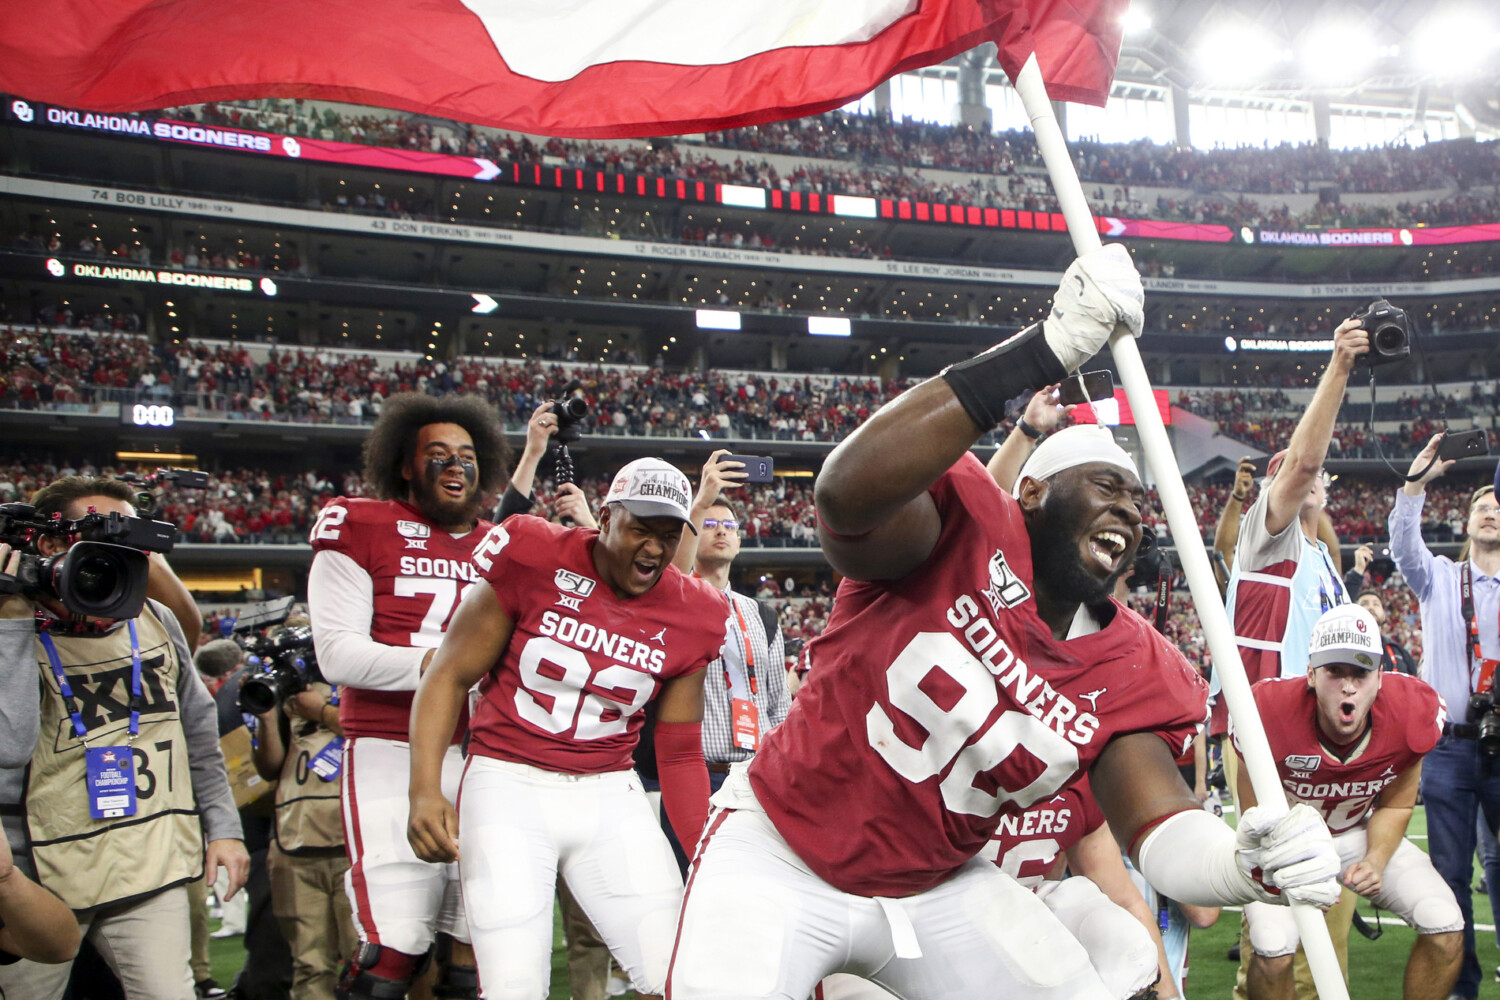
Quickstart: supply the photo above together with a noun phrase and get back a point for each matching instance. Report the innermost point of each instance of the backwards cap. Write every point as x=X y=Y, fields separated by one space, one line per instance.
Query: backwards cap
x=1072 y=447
x=1346 y=633
x=649 y=487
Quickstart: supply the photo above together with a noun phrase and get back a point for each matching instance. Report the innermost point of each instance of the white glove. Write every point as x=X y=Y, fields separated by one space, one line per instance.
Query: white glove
x=1292 y=852
x=1100 y=292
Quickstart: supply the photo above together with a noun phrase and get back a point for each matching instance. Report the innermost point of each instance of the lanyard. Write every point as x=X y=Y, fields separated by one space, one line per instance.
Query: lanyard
x=66 y=689
x=1466 y=607
x=749 y=653
x=1339 y=597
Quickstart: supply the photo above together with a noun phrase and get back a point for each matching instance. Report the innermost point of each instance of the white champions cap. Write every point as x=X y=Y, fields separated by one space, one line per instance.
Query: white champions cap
x=1346 y=633
x=649 y=487
x=1072 y=447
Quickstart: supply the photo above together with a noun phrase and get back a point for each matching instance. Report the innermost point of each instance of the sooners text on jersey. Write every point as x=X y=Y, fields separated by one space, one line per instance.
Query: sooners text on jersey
x=940 y=701
x=581 y=662
x=1026 y=844
x=1406 y=721
x=419 y=573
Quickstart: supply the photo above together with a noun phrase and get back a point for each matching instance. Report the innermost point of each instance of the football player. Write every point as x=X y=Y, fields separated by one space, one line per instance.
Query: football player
x=1100 y=905
x=1348 y=740
x=974 y=664
x=574 y=632
x=386 y=576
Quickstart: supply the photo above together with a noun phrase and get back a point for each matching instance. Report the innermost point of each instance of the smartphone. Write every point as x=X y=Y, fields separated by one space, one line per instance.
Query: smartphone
x=759 y=467
x=1086 y=387
x=1259 y=466
x=1463 y=444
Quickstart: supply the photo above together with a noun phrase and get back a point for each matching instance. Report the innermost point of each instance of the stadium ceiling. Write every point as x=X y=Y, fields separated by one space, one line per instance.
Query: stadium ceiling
x=1411 y=54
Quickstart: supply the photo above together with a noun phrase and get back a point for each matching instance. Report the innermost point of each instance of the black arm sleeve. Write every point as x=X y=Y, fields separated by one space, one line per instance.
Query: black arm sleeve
x=512 y=502
x=1354 y=582
x=987 y=381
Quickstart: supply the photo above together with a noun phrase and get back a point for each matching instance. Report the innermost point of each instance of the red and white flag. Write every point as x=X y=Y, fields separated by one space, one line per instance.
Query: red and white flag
x=582 y=68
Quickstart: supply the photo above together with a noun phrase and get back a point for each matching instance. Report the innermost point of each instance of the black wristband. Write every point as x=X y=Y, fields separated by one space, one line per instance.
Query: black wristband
x=986 y=382
x=1028 y=430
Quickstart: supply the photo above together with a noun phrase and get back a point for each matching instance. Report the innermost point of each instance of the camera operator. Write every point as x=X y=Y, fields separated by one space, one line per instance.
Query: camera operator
x=386 y=577
x=1460 y=608
x=120 y=700
x=34 y=924
x=519 y=498
x=299 y=745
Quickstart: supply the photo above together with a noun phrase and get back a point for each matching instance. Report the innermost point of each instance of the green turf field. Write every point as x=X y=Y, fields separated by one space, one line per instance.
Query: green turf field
x=1375 y=967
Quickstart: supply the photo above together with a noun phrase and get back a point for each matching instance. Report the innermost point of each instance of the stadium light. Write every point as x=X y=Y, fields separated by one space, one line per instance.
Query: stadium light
x=1454 y=43
x=1336 y=50
x=1236 y=52
x=1136 y=20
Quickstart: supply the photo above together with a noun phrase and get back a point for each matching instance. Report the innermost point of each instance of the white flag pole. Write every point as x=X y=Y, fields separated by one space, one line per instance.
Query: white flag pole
x=1163 y=465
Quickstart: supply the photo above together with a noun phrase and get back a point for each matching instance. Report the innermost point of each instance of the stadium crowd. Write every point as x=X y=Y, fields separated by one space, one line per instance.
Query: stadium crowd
x=110 y=364
x=886 y=160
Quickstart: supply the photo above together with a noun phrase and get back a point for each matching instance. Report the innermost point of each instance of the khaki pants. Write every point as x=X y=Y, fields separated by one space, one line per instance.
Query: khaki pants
x=198 y=922
x=146 y=944
x=308 y=898
x=1339 y=919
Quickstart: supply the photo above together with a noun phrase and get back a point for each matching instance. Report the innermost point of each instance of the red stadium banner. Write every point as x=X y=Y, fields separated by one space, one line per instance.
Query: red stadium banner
x=585 y=68
x=1117 y=412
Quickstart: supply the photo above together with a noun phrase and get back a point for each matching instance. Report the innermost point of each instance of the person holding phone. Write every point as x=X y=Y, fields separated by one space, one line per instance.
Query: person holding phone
x=745 y=691
x=1460 y=650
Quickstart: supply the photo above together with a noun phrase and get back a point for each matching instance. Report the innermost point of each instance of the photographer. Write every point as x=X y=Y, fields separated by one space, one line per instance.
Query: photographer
x=1460 y=648
x=545 y=426
x=1397 y=659
x=1284 y=575
x=300 y=746
x=120 y=700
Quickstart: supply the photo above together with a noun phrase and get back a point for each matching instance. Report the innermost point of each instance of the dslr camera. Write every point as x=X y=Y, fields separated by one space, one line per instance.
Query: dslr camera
x=103 y=575
x=571 y=410
x=282 y=661
x=1485 y=713
x=1149 y=564
x=1390 y=332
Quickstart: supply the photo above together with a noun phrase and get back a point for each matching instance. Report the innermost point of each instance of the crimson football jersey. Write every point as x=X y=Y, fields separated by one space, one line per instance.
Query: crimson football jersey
x=940 y=701
x=581 y=663
x=1026 y=844
x=419 y=573
x=1406 y=721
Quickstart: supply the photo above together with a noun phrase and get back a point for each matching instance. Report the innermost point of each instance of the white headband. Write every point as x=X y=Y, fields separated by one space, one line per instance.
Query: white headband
x=1072 y=447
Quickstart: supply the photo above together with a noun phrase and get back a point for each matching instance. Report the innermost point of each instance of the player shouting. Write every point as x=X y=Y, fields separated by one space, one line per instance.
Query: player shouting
x=974 y=664
x=1349 y=740
x=574 y=632
x=386 y=576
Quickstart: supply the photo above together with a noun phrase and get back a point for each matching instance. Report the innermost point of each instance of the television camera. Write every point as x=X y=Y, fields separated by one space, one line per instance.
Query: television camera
x=282 y=661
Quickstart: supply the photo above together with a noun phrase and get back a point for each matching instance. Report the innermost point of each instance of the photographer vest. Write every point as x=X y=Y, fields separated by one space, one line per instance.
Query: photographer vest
x=89 y=862
x=309 y=815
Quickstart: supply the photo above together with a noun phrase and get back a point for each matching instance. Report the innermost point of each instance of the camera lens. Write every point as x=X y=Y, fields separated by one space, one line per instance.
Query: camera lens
x=1389 y=338
x=258 y=695
x=96 y=578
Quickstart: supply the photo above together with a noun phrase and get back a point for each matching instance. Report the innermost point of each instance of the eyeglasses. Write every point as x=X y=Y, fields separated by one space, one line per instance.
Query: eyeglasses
x=1487 y=510
x=711 y=523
